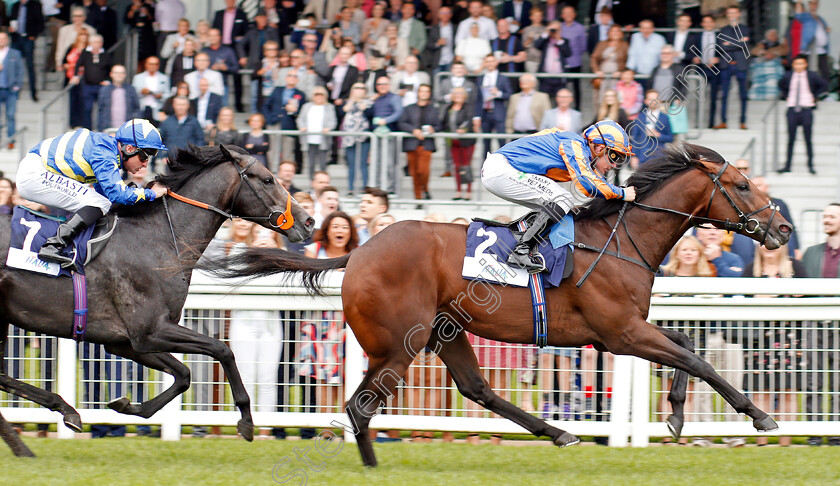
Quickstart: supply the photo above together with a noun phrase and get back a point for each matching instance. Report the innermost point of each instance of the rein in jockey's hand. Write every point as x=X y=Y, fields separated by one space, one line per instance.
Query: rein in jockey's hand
x=159 y=189
x=629 y=193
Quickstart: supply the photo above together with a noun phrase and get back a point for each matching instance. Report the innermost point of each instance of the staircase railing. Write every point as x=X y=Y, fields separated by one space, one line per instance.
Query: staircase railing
x=771 y=116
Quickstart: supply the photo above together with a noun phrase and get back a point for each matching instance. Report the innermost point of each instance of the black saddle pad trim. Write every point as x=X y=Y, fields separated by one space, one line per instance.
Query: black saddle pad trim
x=512 y=225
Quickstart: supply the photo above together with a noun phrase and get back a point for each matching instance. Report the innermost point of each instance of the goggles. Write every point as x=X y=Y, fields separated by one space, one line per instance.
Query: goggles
x=144 y=153
x=615 y=158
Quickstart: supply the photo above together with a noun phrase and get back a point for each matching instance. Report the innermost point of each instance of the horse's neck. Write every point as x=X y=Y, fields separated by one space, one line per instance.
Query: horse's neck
x=656 y=232
x=193 y=227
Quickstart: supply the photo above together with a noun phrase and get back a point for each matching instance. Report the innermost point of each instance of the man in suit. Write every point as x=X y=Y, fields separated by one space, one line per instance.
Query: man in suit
x=118 y=101
x=341 y=77
x=206 y=106
x=232 y=23
x=183 y=63
x=823 y=261
x=250 y=48
x=706 y=58
x=283 y=107
x=598 y=30
x=457 y=79
x=202 y=70
x=412 y=29
x=739 y=65
x=526 y=108
x=105 y=20
x=28 y=24
x=801 y=88
x=564 y=116
x=650 y=131
x=440 y=47
x=683 y=40
x=493 y=93
x=518 y=13
x=555 y=50
x=11 y=77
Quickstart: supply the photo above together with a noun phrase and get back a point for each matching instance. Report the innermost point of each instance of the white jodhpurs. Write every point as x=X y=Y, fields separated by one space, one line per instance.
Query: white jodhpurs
x=530 y=190
x=37 y=184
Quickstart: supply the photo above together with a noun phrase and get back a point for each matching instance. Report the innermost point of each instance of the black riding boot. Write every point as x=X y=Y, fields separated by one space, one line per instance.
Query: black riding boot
x=51 y=250
x=525 y=254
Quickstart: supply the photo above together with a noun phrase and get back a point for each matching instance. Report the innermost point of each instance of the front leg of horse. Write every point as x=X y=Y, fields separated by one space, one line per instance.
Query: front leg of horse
x=170 y=337
x=461 y=362
x=44 y=398
x=649 y=343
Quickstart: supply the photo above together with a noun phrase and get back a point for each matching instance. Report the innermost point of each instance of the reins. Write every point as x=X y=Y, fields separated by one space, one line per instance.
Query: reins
x=745 y=223
x=274 y=217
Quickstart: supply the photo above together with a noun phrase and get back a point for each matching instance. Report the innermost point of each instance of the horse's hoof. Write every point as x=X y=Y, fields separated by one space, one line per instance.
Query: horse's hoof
x=120 y=404
x=566 y=439
x=675 y=426
x=73 y=422
x=246 y=430
x=765 y=424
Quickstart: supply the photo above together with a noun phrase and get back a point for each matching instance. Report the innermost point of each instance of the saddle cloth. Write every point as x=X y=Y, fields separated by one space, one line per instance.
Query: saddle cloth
x=489 y=243
x=30 y=230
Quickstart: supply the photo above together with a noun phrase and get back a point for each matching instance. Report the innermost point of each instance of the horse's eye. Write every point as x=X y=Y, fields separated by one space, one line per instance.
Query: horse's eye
x=743 y=187
x=268 y=181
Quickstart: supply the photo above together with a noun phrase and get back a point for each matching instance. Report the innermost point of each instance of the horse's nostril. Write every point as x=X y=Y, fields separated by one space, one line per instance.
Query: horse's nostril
x=785 y=228
x=310 y=222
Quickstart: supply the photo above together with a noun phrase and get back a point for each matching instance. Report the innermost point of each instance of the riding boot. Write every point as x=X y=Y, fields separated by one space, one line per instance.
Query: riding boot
x=526 y=254
x=67 y=231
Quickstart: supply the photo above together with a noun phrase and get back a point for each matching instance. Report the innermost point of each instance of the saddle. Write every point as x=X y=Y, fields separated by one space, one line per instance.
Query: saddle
x=513 y=226
x=30 y=229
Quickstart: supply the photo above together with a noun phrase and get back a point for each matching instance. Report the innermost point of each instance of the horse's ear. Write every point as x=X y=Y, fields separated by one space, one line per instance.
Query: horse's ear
x=227 y=153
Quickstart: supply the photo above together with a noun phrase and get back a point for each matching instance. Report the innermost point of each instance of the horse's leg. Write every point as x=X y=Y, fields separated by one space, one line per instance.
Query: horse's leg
x=172 y=338
x=163 y=362
x=26 y=391
x=379 y=383
x=460 y=359
x=642 y=339
x=678 y=387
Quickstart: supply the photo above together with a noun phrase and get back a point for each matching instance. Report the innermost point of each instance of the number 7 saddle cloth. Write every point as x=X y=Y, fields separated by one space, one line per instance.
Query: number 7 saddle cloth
x=489 y=243
x=30 y=229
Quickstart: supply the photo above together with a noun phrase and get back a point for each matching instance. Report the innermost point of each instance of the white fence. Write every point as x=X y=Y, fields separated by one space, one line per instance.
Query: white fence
x=781 y=350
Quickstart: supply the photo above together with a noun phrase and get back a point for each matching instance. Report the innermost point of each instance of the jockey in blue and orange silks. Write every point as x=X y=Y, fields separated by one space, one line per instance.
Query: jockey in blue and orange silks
x=528 y=171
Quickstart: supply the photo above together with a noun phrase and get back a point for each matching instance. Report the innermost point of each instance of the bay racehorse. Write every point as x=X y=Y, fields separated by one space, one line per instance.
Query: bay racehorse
x=138 y=284
x=410 y=274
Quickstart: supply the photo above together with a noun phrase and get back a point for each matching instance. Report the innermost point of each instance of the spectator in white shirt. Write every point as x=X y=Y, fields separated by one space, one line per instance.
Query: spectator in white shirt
x=407 y=82
x=472 y=50
x=152 y=86
x=486 y=27
x=174 y=42
x=645 y=46
x=202 y=70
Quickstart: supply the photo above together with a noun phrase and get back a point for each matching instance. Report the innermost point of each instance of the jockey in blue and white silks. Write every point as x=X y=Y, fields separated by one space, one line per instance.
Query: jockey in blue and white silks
x=528 y=171
x=80 y=171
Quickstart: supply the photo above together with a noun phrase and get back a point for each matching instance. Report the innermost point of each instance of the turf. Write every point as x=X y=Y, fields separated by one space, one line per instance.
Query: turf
x=146 y=461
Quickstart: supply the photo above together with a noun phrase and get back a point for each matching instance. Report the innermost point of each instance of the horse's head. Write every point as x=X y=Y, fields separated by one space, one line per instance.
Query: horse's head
x=259 y=197
x=734 y=203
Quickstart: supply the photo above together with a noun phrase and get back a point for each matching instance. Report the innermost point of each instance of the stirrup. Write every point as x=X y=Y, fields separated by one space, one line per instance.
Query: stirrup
x=528 y=262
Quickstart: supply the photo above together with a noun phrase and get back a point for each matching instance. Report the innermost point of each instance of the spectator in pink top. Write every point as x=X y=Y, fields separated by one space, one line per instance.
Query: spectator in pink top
x=630 y=94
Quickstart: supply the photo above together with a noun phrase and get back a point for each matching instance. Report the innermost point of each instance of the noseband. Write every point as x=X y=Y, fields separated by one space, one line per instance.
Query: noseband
x=276 y=219
x=745 y=222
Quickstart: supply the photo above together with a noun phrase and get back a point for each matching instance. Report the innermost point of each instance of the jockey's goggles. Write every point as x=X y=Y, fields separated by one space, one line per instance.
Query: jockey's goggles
x=615 y=157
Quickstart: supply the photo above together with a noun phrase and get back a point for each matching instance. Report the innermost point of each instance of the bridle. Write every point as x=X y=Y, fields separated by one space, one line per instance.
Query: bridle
x=745 y=220
x=276 y=219
x=745 y=223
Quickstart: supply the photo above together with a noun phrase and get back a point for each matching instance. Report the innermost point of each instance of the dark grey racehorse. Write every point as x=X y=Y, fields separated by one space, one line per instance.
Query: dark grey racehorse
x=138 y=284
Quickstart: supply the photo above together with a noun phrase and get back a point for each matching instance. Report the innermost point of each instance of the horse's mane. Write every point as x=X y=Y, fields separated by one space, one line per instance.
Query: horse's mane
x=652 y=175
x=184 y=165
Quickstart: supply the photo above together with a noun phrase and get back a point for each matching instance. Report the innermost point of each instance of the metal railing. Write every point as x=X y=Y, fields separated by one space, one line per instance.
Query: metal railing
x=614 y=399
x=770 y=139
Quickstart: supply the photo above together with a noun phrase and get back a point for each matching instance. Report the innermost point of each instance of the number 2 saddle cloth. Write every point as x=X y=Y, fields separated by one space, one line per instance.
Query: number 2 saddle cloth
x=30 y=229
x=489 y=243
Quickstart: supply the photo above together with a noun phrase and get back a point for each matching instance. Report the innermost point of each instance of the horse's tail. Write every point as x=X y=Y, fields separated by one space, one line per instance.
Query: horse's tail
x=252 y=263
